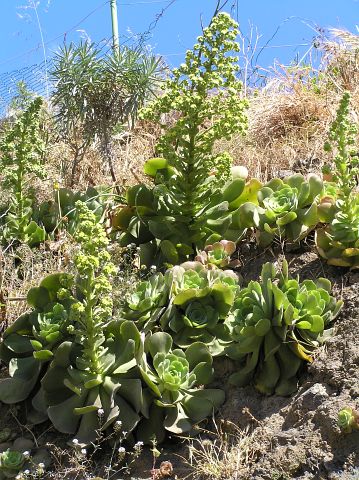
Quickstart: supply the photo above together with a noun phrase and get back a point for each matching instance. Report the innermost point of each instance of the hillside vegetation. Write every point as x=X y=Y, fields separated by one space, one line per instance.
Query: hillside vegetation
x=179 y=267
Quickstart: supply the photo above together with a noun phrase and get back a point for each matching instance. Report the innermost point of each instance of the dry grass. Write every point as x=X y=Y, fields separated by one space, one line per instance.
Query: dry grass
x=131 y=151
x=290 y=117
x=288 y=120
x=225 y=454
x=22 y=268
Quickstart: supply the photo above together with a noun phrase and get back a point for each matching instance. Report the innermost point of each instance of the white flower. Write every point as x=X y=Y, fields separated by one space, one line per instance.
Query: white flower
x=100 y=412
x=138 y=445
x=83 y=451
x=41 y=465
x=75 y=441
x=26 y=472
x=121 y=450
x=153 y=268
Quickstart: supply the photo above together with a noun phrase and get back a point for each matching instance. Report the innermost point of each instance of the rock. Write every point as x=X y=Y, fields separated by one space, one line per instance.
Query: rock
x=312 y=398
x=23 y=444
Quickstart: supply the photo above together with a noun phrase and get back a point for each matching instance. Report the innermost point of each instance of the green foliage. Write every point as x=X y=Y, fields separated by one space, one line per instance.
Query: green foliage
x=348 y=420
x=342 y=139
x=61 y=213
x=23 y=98
x=174 y=379
x=200 y=301
x=147 y=303
x=84 y=370
x=93 y=311
x=21 y=151
x=190 y=302
x=11 y=463
x=90 y=359
x=338 y=242
x=92 y=373
x=29 y=343
x=218 y=255
x=277 y=323
x=287 y=208
x=188 y=203
x=203 y=118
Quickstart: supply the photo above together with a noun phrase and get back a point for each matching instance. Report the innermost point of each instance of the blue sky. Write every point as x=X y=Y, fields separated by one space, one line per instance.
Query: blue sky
x=175 y=31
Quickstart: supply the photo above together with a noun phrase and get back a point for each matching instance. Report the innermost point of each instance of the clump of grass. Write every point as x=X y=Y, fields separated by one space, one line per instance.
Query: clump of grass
x=105 y=459
x=225 y=454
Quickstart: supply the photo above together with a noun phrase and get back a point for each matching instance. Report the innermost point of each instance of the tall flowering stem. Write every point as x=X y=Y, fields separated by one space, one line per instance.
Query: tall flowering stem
x=94 y=311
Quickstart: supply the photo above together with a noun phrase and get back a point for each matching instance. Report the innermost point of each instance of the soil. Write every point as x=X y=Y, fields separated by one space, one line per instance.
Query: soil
x=296 y=437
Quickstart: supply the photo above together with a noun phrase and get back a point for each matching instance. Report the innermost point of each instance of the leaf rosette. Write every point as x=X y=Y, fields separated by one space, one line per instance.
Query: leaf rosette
x=11 y=463
x=348 y=420
x=338 y=242
x=72 y=396
x=190 y=203
x=199 y=303
x=147 y=303
x=174 y=379
x=288 y=208
x=277 y=324
x=218 y=255
x=29 y=343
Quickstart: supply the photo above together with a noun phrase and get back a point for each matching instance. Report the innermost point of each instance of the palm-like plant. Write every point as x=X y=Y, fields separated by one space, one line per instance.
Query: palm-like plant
x=97 y=93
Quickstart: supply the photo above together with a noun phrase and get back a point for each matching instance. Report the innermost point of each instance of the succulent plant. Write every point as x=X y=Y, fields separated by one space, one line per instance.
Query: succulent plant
x=28 y=344
x=288 y=208
x=277 y=323
x=174 y=381
x=94 y=370
x=147 y=303
x=11 y=463
x=22 y=150
x=81 y=401
x=199 y=303
x=68 y=354
x=62 y=213
x=218 y=255
x=189 y=205
x=348 y=420
x=338 y=242
x=31 y=232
